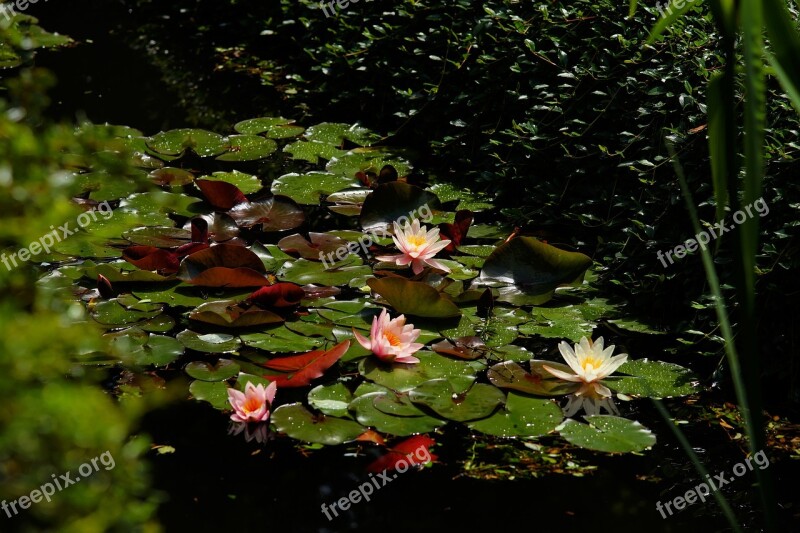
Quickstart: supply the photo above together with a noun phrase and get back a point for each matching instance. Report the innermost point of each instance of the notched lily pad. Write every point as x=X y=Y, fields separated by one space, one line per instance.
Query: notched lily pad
x=606 y=433
x=522 y=416
x=299 y=423
x=477 y=401
x=223 y=370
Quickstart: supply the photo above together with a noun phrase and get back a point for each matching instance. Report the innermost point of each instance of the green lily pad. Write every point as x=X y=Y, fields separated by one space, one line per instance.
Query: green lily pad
x=227 y=314
x=414 y=298
x=636 y=326
x=510 y=375
x=527 y=271
x=281 y=340
x=391 y=201
x=332 y=400
x=213 y=392
x=477 y=401
x=297 y=422
x=606 y=433
x=209 y=343
x=176 y=142
x=223 y=370
x=171 y=176
x=474 y=201
x=367 y=160
x=312 y=151
x=522 y=416
x=162 y=202
x=177 y=294
x=247 y=183
x=146 y=350
x=403 y=377
x=368 y=415
x=336 y=133
x=307 y=188
x=303 y=271
x=113 y=313
x=565 y=322
x=653 y=379
x=255 y=126
x=247 y=148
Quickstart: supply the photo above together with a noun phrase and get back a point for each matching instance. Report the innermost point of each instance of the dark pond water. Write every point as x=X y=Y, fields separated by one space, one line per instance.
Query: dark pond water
x=157 y=80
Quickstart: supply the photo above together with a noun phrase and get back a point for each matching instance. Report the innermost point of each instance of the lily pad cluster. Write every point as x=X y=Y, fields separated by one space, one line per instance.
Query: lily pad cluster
x=209 y=266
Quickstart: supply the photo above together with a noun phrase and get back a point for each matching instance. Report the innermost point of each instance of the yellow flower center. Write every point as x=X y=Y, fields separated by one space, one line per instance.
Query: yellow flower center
x=416 y=240
x=591 y=361
x=251 y=405
x=393 y=339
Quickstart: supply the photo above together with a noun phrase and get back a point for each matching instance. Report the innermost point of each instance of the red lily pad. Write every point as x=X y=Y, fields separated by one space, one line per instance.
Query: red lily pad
x=223 y=265
x=229 y=314
x=319 y=243
x=273 y=214
x=414 y=298
x=278 y=295
x=220 y=194
x=303 y=369
x=415 y=450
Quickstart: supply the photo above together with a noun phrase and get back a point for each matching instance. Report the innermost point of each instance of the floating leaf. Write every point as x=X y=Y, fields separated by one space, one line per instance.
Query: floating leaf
x=319 y=243
x=247 y=148
x=606 y=433
x=246 y=183
x=368 y=415
x=308 y=188
x=332 y=400
x=228 y=314
x=477 y=401
x=171 y=177
x=414 y=298
x=406 y=452
x=302 y=369
x=255 y=126
x=528 y=270
x=391 y=201
x=209 y=343
x=282 y=340
x=298 y=423
x=273 y=214
x=213 y=392
x=312 y=151
x=653 y=379
x=224 y=265
x=510 y=375
x=403 y=377
x=522 y=416
x=176 y=142
x=221 y=194
x=336 y=133
x=223 y=370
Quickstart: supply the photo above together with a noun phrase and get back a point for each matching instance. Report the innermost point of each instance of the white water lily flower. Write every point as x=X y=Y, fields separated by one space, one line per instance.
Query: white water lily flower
x=590 y=363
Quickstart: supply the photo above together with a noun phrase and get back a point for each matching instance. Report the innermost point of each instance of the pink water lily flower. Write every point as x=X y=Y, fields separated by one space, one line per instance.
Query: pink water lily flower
x=418 y=246
x=392 y=340
x=253 y=404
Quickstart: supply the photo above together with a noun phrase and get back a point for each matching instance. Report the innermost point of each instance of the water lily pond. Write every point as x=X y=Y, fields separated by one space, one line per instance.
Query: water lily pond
x=285 y=298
